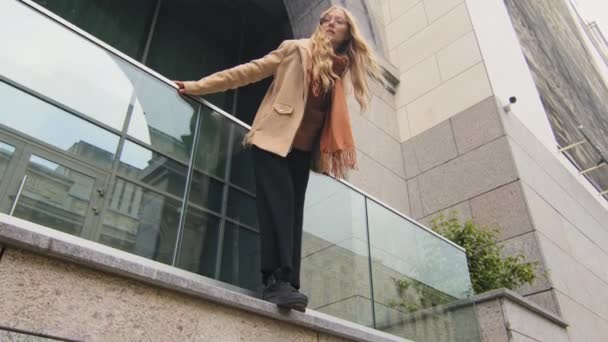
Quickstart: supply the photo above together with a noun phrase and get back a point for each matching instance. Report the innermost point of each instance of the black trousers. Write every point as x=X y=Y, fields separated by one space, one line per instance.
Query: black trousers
x=281 y=188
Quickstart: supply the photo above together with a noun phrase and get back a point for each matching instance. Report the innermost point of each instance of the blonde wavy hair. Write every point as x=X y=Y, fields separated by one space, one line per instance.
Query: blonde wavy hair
x=361 y=59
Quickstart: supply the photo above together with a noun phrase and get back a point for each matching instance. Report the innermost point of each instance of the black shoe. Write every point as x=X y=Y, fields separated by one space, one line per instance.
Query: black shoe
x=284 y=295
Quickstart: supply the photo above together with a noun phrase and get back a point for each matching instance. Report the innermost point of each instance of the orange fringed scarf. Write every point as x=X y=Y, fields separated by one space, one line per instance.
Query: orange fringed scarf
x=337 y=146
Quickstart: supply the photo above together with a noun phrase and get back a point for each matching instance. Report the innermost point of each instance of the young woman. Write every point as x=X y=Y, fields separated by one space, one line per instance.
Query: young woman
x=302 y=124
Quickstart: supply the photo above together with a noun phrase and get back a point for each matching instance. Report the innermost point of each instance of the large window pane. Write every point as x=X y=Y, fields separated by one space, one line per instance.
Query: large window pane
x=152 y=168
x=415 y=271
x=187 y=44
x=241 y=171
x=335 y=265
x=6 y=154
x=212 y=151
x=242 y=208
x=241 y=257
x=122 y=24
x=140 y=221
x=161 y=117
x=51 y=60
x=206 y=192
x=55 y=196
x=199 y=243
x=32 y=116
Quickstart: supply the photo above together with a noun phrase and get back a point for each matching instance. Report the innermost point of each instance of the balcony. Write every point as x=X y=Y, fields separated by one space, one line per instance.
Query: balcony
x=96 y=145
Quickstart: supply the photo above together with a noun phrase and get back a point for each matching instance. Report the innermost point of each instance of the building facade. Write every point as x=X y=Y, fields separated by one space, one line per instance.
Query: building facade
x=96 y=143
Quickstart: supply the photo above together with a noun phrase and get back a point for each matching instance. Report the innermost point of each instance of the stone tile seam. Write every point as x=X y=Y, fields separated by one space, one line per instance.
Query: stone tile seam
x=36 y=334
x=520 y=300
x=528 y=336
x=438 y=85
x=380 y=128
x=409 y=198
x=530 y=219
x=406 y=70
x=412 y=34
x=602 y=280
x=460 y=155
x=440 y=210
x=468 y=199
x=581 y=304
x=381 y=164
x=515 y=141
x=504 y=317
x=341 y=300
x=566 y=219
x=451 y=9
x=405 y=11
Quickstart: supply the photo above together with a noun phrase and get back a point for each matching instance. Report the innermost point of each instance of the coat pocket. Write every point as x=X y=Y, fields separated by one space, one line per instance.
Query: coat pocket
x=282 y=108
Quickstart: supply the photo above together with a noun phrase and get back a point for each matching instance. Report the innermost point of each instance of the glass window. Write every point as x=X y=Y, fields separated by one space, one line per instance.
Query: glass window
x=6 y=153
x=36 y=118
x=140 y=221
x=241 y=257
x=55 y=196
x=335 y=264
x=241 y=170
x=161 y=117
x=206 y=192
x=87 y=79
x=199 y=245
x=141 y=164
x=242 y=208
x=186 y=44
x=414 y=270
x=212 y=151
x=122 y=24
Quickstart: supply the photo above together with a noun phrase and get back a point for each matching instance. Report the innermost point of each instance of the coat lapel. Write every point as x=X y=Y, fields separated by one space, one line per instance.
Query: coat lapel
x=305 y=48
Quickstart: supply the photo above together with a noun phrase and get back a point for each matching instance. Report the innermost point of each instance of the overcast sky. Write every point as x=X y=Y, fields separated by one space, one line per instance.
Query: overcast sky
x=595 y=10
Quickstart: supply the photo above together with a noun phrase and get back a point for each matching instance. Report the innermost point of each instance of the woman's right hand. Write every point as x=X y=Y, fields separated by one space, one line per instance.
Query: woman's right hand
x=185 y=87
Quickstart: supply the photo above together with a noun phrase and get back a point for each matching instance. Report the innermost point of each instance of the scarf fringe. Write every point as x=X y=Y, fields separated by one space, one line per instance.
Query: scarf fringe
x=338 y=163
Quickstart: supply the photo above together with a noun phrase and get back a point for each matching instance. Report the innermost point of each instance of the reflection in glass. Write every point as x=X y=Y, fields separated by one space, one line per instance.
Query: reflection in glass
x=152 y=168
x=55 y=196
x=241 y=170
x=242 y=208
x=140 y=221
x=335 y=265
x=206 y=192
x=212 y=151
x=122 y=24
x=240 y=257
x=160 y=116
x=6 y=153
x=414 y=271
x=199 y=244
x=88 y=79
x=41 y=120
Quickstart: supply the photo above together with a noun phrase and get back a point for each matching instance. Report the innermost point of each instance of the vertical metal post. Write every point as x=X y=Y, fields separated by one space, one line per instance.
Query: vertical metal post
x=369 y=260
x=184 y=208
x=18 y=195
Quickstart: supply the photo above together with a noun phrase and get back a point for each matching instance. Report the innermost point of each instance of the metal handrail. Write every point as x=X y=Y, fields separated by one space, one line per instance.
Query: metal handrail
x=206 y=103
x=603 y=162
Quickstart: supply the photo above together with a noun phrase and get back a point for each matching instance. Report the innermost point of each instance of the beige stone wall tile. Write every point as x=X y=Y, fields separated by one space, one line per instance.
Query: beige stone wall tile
x=458 y=56
x=450 y=98
x=436 y=36
x=417 y=81
x=406 y=25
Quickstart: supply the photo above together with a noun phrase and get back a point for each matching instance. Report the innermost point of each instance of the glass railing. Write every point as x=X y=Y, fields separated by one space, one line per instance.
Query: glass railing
x=179 y=187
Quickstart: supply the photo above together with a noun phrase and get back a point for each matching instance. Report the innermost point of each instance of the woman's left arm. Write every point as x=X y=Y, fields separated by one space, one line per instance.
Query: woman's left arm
x=240 y=75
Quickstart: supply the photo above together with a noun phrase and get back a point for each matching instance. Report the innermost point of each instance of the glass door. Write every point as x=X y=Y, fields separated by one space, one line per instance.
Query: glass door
x=49 y=189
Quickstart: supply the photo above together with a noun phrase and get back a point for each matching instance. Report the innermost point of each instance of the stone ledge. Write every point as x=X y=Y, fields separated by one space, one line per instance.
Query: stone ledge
x=526 y=303
x=46 y=241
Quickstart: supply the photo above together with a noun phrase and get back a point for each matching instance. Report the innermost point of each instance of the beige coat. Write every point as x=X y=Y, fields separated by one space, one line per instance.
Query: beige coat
x=281 y=112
